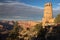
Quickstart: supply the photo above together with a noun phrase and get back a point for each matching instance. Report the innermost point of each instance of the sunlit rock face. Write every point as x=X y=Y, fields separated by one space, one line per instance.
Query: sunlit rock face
x=27 y=24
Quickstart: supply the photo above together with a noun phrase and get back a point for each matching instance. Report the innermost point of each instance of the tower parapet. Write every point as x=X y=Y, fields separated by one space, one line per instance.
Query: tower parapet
x=48 y=4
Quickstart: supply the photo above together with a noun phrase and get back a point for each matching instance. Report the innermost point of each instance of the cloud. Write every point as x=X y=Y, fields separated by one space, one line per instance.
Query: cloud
x=56 y=10
x=19 y=3
x=57 y=7
x=17 y=10
x=7 y=0
x=20 y=9
x=58 y=3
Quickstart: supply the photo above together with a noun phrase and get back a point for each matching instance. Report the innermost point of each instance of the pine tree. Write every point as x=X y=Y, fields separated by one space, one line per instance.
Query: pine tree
x=57 y=19
x=13 y=35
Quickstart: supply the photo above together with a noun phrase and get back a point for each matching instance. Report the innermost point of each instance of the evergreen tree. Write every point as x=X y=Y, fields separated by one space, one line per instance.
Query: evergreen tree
x=13 y=35
x=57 y=19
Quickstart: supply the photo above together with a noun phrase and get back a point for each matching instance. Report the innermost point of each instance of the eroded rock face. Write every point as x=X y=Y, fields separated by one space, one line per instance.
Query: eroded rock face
x=27 y=24
x=5 y=26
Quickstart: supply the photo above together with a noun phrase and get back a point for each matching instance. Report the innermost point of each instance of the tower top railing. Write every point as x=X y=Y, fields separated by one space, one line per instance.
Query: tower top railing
x=48 y=4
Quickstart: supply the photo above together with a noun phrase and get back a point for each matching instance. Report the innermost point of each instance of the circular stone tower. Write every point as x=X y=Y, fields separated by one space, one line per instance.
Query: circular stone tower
x=48 y=15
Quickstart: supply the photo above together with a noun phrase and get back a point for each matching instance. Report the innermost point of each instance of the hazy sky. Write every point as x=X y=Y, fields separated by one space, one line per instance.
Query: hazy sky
x=26 y=9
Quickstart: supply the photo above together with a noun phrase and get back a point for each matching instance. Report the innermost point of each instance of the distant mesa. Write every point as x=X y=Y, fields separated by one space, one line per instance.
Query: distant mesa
x=27 y=24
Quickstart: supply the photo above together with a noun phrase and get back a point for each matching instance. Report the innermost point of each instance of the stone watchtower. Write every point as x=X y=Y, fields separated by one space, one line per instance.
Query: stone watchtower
x=48 y=15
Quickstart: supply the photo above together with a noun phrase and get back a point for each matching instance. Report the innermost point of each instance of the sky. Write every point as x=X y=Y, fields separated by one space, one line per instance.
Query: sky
x=26 y=9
